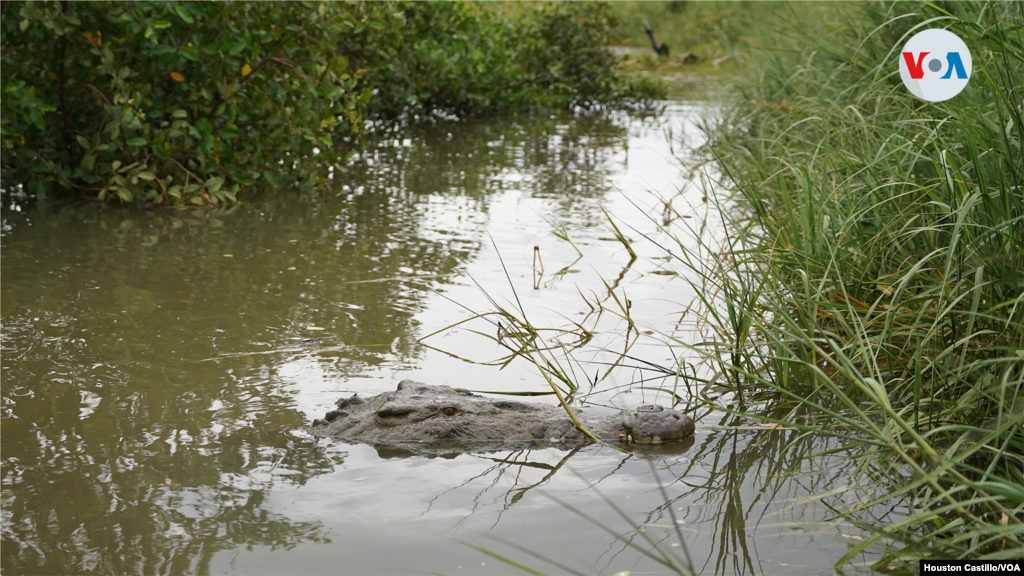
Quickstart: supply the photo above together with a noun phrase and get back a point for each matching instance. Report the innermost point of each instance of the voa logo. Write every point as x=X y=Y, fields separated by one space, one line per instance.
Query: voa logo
x=935 y=65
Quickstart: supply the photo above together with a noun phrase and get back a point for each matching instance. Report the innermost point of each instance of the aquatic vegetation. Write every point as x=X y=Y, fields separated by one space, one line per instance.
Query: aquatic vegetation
x=873 y=268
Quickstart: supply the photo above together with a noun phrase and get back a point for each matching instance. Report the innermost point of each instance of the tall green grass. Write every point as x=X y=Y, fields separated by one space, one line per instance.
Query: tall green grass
x=875 y=269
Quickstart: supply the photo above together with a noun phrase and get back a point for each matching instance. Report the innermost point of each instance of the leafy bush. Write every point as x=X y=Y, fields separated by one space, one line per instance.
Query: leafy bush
x=171 y=102
x=566 y=56
x=461 y=60
x=186 y=103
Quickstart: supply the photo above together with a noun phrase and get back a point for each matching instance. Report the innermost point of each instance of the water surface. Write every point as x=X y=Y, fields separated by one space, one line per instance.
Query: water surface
x=146 y=431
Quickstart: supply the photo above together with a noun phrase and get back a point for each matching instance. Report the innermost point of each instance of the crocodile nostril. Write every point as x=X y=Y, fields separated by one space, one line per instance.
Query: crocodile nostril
x=392 y=411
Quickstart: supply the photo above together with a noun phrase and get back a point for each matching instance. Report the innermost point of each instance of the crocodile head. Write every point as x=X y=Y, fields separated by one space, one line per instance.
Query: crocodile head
x=654 y=424
x=425 y=419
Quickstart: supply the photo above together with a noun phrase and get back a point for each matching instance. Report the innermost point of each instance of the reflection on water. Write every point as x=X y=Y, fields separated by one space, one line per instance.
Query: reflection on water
x=133 y=444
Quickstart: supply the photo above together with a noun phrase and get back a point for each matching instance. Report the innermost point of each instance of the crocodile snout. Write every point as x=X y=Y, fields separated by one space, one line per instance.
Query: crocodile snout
x=654 y=424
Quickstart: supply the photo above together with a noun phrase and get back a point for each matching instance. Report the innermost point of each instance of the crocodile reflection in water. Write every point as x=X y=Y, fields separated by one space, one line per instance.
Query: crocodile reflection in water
x=419 y=419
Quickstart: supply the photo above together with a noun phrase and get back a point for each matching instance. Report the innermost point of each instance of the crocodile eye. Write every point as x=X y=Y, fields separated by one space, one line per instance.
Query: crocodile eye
x=449 y=411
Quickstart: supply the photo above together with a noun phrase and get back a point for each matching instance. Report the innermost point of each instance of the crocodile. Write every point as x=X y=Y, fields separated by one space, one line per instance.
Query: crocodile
x=421 y=419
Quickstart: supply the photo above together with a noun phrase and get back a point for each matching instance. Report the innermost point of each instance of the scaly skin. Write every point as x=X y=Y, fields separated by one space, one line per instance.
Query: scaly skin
x=419 y=419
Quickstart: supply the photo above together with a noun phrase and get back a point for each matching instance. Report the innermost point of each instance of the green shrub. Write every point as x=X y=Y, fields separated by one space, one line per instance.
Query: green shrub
x=172 y=102
x=450 y=59
x=187 y=102
x=566 y=56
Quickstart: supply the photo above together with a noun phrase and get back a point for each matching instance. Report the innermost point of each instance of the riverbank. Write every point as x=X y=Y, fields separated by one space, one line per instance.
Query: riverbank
x=874 y=271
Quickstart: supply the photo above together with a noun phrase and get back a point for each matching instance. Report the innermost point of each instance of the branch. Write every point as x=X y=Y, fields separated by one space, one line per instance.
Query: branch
x=659 y=49
x=97 y=91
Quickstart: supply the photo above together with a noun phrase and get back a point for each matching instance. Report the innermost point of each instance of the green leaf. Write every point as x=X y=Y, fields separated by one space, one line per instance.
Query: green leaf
x=237 y=48
x=214 y=184
x=145 y=175
x=23 y=25
x=183 y=13
x=82 y=141
x=115 y=165
x=137 y=141
x=88 y=163
x=149 y=32
x=190 y=53
x=37 y=118
x=162 y=49
x=161 y=24
x=124 y=194
x=180 y=114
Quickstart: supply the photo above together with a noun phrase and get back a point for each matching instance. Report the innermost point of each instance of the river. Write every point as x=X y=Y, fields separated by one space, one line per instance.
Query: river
x=150 y=426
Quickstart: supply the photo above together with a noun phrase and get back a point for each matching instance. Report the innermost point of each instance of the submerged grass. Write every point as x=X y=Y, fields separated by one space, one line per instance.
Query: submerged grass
x=875 y=266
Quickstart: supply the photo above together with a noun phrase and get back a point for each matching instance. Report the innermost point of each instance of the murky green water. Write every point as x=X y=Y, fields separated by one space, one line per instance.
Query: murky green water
x=132 y=445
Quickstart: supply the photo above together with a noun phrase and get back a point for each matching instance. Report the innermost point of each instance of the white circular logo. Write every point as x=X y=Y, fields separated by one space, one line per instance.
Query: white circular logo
x=935 y=65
